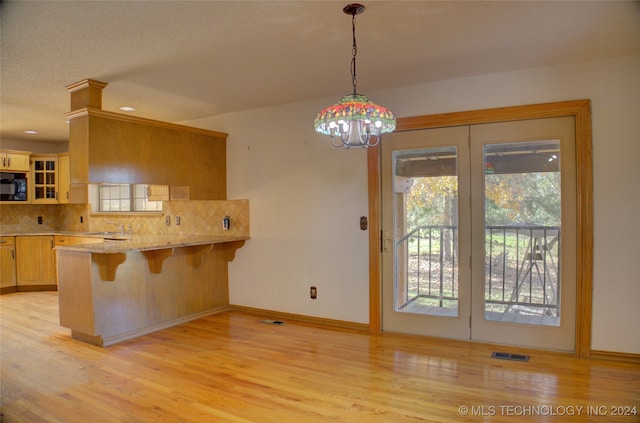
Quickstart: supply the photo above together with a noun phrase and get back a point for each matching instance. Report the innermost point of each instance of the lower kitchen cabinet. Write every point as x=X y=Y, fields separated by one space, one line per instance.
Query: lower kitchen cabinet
x=35 y=264
x=7 y=264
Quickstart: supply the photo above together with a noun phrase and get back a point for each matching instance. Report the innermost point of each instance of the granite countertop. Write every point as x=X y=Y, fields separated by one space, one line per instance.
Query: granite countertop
x=124 y=243
x=121 y=243
x=50 y=232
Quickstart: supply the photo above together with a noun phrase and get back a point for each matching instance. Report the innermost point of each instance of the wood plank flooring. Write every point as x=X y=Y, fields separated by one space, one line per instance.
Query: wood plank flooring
x=232 y=368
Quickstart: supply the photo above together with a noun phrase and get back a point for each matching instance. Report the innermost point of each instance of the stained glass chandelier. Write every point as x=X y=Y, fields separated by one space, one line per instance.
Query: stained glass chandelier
x=353 y=120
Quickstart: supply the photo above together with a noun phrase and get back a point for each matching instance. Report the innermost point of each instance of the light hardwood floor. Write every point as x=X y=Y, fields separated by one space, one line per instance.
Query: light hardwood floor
x=232 y=368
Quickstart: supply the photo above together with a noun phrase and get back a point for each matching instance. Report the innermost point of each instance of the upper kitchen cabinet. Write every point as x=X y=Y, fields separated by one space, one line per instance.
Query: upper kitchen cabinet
x=14 y=160
x=63 y=178
x=108 y=147
x=44 y=178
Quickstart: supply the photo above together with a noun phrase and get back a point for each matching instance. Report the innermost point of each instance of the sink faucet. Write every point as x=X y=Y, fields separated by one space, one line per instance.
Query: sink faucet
x=120 y=227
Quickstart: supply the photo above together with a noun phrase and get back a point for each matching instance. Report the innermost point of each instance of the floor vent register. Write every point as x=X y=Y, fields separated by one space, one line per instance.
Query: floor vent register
x=509 y=356
x=272 y=322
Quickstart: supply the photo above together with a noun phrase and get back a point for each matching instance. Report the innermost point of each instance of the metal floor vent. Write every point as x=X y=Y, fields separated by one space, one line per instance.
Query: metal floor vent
x=272 y=322
x=508 y=356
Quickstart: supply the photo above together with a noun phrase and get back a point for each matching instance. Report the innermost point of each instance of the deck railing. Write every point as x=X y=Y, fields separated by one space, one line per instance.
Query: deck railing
x=521 y=268
x=426 y=260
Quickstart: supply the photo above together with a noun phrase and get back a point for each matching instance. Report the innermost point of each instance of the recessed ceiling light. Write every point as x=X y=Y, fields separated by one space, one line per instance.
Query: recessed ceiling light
x=128 y=109
x=31 y=132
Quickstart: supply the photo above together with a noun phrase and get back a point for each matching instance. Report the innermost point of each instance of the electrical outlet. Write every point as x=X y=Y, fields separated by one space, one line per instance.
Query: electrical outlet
x=167 y=220
x=313 y=292
x=177 y=220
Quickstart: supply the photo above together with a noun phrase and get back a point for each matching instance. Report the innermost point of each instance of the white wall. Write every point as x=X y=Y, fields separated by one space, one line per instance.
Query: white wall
x=306 y=197
x=305 y=200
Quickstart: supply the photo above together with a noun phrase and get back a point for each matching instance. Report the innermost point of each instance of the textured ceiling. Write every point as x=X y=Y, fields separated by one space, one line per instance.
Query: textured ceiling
x=182 y=60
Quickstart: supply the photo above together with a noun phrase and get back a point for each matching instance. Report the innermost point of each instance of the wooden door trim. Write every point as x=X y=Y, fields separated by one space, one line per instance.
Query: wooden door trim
x=581 y=111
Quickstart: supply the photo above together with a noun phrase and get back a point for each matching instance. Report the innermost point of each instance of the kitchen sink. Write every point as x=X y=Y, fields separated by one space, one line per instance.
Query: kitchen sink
x=110 y=236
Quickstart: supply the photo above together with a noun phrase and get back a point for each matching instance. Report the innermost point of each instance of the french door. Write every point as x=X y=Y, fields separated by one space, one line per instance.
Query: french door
x=479 y=232
x=422 y=186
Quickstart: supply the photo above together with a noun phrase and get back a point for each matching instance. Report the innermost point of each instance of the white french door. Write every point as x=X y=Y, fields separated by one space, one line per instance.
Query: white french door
x=425 y=259
x=479 y=233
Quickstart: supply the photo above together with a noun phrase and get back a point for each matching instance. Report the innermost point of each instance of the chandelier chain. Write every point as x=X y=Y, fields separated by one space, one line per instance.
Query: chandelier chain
x=354 y=51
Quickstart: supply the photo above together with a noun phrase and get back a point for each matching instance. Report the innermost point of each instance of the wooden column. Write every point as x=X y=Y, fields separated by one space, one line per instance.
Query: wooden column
x=86 y=93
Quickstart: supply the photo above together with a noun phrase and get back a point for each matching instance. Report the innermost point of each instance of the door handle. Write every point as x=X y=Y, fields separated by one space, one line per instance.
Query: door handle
x=384 y=238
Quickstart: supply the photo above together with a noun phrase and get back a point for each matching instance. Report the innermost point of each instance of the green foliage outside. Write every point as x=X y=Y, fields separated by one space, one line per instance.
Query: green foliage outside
x=510 y=199
x=517 y=199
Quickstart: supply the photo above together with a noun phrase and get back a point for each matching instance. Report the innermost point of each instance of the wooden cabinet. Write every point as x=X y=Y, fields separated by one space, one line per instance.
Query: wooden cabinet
x=44 y=175
x=108 y=147
x=158 y=192
x=35 y=262
x=64 y=179
x=28 y=263
x=7 y=264
x=14 y=160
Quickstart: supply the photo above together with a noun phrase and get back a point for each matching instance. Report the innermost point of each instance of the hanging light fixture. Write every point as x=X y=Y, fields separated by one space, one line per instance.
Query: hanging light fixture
x=354 y=119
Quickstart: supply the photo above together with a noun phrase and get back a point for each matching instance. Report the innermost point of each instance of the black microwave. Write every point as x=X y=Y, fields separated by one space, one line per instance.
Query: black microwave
x=13 y=186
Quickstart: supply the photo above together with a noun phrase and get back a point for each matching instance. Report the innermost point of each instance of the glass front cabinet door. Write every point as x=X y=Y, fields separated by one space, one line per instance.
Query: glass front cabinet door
x=44 y=174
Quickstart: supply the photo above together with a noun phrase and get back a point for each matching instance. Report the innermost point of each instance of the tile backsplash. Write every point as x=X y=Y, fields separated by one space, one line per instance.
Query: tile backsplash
x=195 y=217
x=24 y=217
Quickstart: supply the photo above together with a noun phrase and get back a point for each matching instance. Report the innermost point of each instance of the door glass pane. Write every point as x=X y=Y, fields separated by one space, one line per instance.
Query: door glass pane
x=522 y=232
x=425 y=226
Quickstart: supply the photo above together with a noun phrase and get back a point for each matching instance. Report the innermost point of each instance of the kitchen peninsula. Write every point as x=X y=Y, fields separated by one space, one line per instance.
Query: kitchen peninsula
x=120 y=289
x=171 y=266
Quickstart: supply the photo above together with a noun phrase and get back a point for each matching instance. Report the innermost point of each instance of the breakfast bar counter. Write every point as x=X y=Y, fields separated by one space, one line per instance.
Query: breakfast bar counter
x=121 y=243
x=131 y=285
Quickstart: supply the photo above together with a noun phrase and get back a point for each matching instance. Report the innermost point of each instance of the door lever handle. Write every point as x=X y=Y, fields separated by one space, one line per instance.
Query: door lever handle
x=384 y=238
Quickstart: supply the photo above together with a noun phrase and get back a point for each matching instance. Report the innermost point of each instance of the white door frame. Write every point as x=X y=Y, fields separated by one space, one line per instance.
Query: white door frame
x=581 y=111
